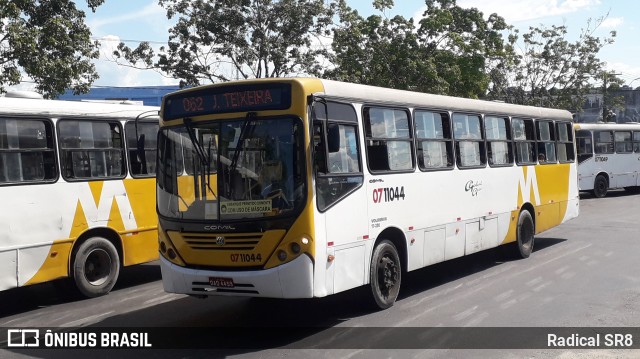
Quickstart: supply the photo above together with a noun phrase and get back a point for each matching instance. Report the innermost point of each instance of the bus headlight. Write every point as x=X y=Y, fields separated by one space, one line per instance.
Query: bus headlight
x=167 y=249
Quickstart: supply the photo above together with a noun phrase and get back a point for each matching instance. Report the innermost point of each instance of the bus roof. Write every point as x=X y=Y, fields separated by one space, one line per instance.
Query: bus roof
x=603 y=126
x=418 y=99
x=56 y=108
x=380 y=95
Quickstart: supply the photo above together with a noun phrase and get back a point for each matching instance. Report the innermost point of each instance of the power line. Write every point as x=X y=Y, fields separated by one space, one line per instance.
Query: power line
x=141 y=87
x=129 y=40
x=316 y=46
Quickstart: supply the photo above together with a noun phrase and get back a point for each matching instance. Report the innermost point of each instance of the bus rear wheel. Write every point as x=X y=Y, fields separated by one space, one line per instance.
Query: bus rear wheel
x=524 y=235
x=385 y=274
x=96 y=267
x=600 y=186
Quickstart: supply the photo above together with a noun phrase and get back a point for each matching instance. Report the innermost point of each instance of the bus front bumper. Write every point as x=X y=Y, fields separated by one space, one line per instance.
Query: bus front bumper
x=290 y=280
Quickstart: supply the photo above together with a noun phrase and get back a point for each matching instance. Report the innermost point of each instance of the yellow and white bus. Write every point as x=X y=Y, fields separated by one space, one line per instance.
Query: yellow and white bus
x=608 y=157
x=299 y=188
x=77 y=183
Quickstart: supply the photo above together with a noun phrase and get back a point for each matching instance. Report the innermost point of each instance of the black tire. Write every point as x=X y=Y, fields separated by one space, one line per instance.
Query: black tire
x=523 y=246
x=96 y=266
x=385 y=274
x=600 y=186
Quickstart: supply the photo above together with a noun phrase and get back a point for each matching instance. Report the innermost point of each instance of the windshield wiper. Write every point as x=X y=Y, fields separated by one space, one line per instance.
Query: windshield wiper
x=209 y=167
x=194 y=139
x=205 y=159
x=245 y=132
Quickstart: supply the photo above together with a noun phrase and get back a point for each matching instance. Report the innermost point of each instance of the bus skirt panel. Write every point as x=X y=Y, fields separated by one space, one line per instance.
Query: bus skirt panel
x=290 y=280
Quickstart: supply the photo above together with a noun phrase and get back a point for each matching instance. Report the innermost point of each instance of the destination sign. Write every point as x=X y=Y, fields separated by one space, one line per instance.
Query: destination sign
x=237 y=98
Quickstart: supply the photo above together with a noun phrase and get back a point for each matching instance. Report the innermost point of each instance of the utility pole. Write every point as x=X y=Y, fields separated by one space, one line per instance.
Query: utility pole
x=604 y=95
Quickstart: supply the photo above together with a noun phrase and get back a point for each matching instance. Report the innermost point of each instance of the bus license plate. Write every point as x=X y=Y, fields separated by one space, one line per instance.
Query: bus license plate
x=221 y=282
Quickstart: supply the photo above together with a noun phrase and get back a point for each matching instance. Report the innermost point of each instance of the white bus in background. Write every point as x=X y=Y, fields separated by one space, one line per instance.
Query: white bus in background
x=77 y=189
x=608 y=157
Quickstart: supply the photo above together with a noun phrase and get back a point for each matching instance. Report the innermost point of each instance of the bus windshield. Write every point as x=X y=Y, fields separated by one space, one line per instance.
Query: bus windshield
x=231 y=170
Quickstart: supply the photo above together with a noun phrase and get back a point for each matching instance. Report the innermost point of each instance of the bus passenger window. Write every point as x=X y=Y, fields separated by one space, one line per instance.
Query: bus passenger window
x=26 y=151
x=623 y=142
x=470 y=148
x=524 y=140
x=389 y=145
x=564 y=132
x=604 y=142
x=91 y=149
x=433 y=135
x=142 y=150
x=546 y=142
x=584 y=144
x=498 y=141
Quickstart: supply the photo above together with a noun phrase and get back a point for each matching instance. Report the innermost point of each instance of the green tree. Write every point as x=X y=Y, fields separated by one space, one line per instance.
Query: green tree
x=377 y=51
x=611 y=100
x=49 y=42
x=551 y=71
x=219 y=40
x=450 y=51
x=465 y=46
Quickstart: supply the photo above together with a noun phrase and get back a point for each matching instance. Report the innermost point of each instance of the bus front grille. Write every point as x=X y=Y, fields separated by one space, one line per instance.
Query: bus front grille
x=227 y=242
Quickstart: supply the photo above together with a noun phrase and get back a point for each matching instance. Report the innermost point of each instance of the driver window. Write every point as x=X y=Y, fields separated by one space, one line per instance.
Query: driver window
x=345 y=159
x=319 y=149
x=336 y=155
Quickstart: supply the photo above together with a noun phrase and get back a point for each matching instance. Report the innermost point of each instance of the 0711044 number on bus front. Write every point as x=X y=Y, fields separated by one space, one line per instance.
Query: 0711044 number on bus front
x=245 y=258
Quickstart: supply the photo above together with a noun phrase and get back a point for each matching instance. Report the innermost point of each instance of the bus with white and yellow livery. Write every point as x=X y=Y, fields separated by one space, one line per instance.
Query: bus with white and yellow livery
x=299 y=188
x=77 y=183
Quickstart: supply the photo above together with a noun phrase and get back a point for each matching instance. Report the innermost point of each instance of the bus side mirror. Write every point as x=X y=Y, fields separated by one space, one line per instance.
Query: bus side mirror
x=333 y=138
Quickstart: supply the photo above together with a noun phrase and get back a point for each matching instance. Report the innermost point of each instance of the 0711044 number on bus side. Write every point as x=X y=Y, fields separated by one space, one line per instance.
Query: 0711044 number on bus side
x=388 y=194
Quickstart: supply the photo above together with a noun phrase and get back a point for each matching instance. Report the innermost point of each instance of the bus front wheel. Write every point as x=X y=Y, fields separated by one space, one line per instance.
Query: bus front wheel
x=600 y=186
x=385 y=274
x=96 y=267
x=524 y=235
